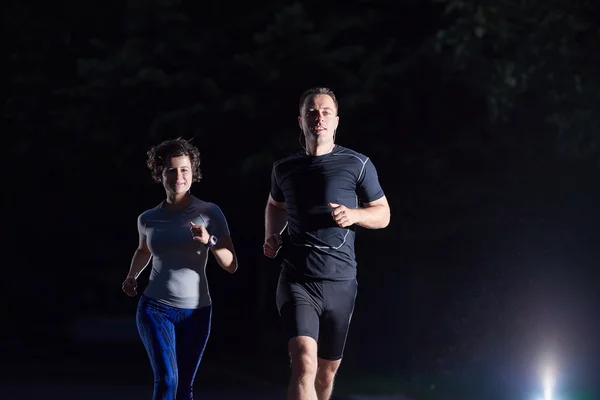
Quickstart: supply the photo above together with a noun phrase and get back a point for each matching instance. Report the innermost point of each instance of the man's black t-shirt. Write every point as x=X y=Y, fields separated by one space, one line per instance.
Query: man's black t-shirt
x=318 y=248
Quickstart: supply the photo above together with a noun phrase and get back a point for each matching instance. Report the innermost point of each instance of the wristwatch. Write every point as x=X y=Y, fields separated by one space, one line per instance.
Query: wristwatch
x=212 y=240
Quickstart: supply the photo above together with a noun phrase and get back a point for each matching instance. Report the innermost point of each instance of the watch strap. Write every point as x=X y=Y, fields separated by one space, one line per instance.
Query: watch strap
x=212 y=240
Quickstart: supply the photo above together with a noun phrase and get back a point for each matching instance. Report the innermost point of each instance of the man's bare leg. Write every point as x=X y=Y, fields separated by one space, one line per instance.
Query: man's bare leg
x=303 y=354
x=326 y=371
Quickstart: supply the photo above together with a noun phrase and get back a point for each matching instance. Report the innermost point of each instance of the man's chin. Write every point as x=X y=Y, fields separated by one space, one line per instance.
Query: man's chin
x=321 y=136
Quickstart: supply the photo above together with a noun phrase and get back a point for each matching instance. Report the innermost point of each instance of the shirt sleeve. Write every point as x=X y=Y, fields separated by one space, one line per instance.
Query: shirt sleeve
x=276 y=192
x=369 y=188
x=218 y=223
x=141 y=224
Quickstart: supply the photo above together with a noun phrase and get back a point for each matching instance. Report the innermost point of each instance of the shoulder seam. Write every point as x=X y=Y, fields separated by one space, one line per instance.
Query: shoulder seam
x=363 y=162
x=289 y=158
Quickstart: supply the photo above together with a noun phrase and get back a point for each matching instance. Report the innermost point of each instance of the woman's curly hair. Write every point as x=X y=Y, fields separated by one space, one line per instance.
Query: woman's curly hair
x=161 y=153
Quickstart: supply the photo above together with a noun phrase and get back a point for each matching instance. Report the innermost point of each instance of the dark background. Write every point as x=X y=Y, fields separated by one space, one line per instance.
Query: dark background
x=480 y=118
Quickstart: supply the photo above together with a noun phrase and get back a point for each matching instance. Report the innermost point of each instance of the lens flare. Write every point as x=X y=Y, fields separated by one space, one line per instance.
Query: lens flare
x=548 y=381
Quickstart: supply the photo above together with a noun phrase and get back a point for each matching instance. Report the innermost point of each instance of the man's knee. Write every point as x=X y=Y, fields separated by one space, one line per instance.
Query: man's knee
x=303 y=355
x=326 y=372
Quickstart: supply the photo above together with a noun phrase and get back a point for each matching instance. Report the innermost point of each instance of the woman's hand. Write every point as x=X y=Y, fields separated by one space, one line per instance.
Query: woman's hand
x=199 y=233
x=130 y=287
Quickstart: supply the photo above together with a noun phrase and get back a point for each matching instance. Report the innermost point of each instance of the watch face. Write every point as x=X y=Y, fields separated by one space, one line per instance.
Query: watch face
x=212 y=240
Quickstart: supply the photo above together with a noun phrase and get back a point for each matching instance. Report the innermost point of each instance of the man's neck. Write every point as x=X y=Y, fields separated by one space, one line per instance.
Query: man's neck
x=315 y=149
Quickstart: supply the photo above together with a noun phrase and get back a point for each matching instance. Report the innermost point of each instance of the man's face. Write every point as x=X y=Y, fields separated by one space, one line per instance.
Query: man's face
x=319 y=118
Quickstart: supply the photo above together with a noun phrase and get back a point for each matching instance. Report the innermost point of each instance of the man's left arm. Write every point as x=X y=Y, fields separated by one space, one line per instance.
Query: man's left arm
x=375 y=210
x=373 y=214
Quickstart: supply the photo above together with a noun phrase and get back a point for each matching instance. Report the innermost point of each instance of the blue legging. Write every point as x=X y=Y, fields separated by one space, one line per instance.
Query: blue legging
x=175 y=339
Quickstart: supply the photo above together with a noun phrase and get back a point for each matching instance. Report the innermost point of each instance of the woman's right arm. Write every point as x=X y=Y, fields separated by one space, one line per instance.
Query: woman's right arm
x=142 y=253
x=140 y=258
x=138 y=262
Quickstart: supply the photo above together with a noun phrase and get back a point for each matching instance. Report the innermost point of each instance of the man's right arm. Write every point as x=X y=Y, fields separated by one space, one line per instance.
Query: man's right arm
x=275 y=217
x=275 y=213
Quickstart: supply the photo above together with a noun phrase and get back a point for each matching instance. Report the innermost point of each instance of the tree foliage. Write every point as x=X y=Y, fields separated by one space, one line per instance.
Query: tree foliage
x=532 y=59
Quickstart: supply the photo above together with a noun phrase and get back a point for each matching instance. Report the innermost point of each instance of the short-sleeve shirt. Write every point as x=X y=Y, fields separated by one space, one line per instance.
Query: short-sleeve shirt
x=178 y=276
x=318 y=249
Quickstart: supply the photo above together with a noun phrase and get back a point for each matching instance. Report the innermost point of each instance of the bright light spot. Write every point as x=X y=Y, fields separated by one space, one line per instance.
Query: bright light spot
x=548 y=380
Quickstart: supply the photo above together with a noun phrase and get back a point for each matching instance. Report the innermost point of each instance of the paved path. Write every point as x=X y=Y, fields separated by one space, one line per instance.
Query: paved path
x=99 y=391
x=124 y=376
x=72 y=380
x=81 y=381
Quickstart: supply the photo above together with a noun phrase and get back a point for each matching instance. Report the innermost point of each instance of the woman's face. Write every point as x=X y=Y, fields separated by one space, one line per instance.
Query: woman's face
x=177 y=175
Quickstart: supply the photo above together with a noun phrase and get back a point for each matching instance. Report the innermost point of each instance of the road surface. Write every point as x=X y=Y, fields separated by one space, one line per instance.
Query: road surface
x=81 y=379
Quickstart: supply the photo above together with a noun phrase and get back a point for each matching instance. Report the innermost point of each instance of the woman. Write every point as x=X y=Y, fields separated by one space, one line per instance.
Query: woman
x=174 y=312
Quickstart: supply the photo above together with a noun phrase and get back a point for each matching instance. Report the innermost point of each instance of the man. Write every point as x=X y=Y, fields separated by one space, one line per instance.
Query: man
x=320 y=195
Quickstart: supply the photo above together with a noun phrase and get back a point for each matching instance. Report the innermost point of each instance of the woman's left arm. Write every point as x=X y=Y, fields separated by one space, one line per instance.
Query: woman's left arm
x=225 y=254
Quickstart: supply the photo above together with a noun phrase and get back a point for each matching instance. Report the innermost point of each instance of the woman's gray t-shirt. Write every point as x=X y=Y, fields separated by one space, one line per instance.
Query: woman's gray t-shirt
x=178 y=276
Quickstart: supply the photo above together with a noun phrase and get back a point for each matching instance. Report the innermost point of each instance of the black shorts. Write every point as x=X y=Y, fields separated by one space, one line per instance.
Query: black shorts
x=321 y=310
